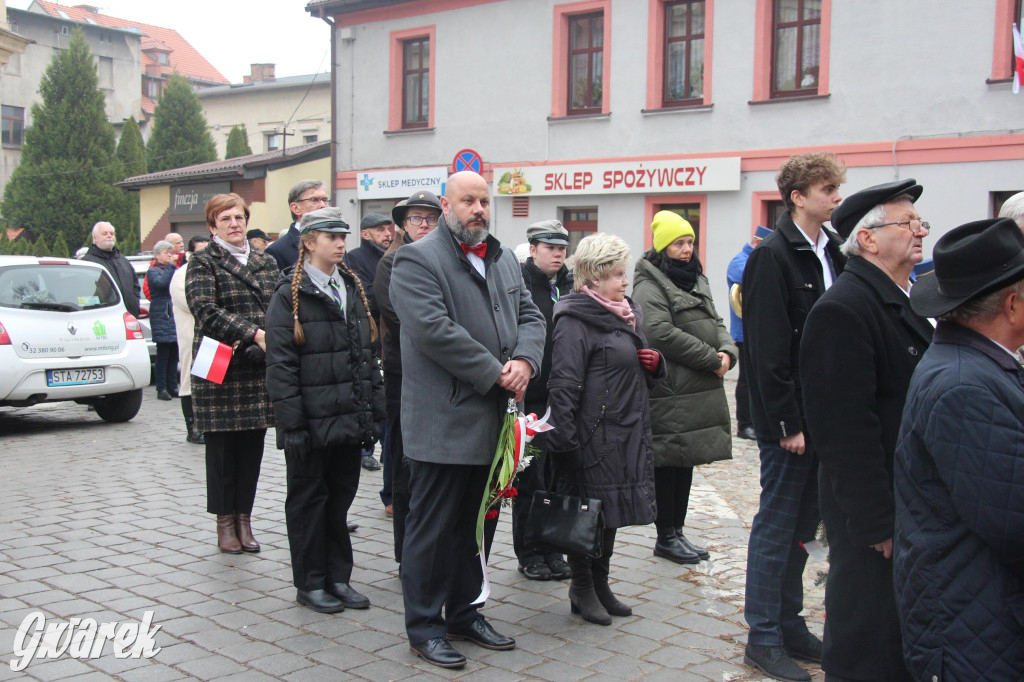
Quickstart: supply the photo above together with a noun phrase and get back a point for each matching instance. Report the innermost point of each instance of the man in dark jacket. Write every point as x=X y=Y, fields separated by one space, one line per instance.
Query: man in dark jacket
x=104 y=252
x=548 y=279
x=471 y=335
x=376 y=232
x=784 y=276
x=414 y=218
x=863 y=338
x=305 y=196
x=958 y=552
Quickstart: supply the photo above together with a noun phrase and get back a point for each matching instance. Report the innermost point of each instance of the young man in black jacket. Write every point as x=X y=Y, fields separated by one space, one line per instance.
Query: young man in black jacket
x=784 y=276
x=547 y=279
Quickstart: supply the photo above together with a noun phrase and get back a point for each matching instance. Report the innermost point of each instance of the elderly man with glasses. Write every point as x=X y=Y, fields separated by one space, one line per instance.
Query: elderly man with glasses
x=305 y=196
x=860 y=346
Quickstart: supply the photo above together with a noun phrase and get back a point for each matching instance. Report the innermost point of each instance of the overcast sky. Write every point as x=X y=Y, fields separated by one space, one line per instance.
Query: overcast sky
x=232 y=34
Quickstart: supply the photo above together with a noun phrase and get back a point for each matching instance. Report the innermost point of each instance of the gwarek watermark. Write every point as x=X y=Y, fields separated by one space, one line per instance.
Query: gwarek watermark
x=82 y=638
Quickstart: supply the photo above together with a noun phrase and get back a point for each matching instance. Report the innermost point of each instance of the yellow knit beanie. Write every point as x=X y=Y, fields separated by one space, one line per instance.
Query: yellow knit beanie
x=667 y=227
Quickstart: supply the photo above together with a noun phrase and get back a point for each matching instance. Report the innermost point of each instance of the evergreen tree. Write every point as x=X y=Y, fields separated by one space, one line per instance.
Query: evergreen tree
x=5 y=243
x=64 y=182
x=60 y=247
x=131 y=150
x=39 y=247
x=238 y=143
x=128 y=239
x=180 y=137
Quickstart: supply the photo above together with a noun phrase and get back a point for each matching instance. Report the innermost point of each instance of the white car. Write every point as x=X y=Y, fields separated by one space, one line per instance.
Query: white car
x=65 y=334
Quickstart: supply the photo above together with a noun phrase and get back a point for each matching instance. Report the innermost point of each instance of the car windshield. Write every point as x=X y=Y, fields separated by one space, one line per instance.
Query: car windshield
x=56 y=287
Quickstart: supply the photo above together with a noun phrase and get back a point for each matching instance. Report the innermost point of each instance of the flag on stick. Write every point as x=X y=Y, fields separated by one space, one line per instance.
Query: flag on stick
x=211 y=361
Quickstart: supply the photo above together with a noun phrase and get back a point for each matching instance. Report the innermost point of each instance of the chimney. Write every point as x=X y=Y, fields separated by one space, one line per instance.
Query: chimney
x=260 y=73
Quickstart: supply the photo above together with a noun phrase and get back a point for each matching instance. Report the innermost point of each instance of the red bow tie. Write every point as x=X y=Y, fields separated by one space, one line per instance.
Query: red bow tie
x=479 y=250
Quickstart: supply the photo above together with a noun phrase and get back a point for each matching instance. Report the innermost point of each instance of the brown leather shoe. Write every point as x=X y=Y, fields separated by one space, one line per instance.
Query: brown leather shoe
x=227 y=536
x=245 y=537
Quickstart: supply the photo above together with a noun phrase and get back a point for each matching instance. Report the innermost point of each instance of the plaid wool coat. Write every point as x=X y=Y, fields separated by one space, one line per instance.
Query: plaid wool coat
x=229 y=301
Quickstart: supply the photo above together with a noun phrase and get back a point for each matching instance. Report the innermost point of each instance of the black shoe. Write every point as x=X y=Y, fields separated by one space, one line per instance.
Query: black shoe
x=806 y=647
x=559 y=569
x=669 y=547
x=746 y=433
x=438 y=651
x=173 y=392
x=536 y=570
x=481 y=633
x=349 y=597
x=352 y=527
x=370 y=463
x=320 y=601
x=774 y=662
x=163 y=395
x=699 y=551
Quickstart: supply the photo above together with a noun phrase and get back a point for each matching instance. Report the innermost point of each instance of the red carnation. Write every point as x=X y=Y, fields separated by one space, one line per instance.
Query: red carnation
x=491 y=514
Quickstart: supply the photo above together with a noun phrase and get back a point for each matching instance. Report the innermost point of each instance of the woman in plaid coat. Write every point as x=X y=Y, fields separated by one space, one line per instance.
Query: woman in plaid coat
x=228 y=287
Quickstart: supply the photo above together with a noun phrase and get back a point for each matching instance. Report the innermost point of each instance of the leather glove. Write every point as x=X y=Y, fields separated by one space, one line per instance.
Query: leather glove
x=649 y=359
x=254 y=354
x=296 y=443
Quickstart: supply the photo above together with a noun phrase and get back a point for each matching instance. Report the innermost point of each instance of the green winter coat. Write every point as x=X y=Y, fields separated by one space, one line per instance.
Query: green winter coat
x=689 y=411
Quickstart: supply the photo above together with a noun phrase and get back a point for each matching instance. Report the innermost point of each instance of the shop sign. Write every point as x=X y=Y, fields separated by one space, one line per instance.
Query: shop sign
x=635 y=177
x=190 y=200
x=397 y=184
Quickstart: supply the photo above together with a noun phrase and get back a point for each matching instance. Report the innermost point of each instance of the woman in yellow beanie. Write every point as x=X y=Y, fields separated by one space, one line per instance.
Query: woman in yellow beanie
x=689 y=412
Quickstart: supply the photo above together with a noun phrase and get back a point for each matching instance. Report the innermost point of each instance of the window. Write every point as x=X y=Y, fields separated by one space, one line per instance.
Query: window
x=152 y=88
x=796 y=47
x=1007 y=12
x=684 y=53
x=416 y=83
x=774 y=209
x=273 y=141
x=997 y=199
x=161 y=58
x=105 y=72
x=310 y=138
x=586 y=63
x=691 y=214
x=580 y=222
x=411 y=81
x=13 y=126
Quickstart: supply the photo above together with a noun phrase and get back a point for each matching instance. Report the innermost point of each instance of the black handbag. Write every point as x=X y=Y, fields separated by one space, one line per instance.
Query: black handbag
x=565 y=523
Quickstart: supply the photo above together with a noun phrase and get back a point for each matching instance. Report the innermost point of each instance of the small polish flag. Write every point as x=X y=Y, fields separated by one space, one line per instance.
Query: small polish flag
x=1018 y=60
x=211 y=361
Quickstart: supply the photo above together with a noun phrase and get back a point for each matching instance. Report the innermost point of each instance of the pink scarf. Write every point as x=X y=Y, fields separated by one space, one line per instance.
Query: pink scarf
x=620 y=309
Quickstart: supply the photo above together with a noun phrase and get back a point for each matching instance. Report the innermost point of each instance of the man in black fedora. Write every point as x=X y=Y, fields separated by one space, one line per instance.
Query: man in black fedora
x=860 y=346
x=958 y=551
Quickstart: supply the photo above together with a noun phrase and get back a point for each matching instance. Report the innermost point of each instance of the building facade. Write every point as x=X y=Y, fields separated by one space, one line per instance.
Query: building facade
x=602 y=112
x=277 y=112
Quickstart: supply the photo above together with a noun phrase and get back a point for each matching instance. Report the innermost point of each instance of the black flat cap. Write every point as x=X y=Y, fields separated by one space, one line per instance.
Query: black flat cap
x=970 y=261
x=256 y=234
x=856 y=206
x=372 y=220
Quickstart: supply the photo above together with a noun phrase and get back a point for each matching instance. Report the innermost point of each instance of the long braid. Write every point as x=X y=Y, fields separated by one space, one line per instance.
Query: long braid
x=366 y=303
x=299 y=335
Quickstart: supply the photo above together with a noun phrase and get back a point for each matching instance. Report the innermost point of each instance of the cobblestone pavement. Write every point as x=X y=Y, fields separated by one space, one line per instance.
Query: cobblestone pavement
x=107 y=522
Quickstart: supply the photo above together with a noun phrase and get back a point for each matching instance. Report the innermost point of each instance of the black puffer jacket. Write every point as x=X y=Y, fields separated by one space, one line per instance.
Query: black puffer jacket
x=332 y=385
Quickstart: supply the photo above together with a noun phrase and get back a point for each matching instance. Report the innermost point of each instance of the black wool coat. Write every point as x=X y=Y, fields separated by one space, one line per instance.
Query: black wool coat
x=229 y=301
x=781 y=282
x=859 y=350
x=331 y=386
x=540 y=288
x=600 y=408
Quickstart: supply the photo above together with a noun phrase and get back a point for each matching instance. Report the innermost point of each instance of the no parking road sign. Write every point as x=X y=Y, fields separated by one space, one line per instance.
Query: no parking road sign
x=467 y=159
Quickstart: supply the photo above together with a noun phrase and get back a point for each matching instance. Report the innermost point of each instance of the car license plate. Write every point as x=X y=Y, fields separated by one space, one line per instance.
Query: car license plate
x=75 y=377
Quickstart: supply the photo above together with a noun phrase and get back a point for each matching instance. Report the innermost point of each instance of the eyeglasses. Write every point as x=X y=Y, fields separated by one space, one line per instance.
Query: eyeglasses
x=908 y=225
x=318 y=200
x=417 y=220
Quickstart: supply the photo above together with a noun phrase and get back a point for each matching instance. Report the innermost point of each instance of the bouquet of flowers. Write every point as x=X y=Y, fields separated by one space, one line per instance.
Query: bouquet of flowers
x=510 y=458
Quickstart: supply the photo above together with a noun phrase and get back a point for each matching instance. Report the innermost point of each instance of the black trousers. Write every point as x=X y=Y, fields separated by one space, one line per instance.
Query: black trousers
x=743 y=419
x=538 y=476
x=233 y=461
x=320 y=492
x=165 y=371
x=440 y=566
x=672 y=494
x=399 y=468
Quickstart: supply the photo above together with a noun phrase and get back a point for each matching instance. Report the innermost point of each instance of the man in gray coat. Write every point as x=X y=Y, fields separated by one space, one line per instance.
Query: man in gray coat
x=470 y=335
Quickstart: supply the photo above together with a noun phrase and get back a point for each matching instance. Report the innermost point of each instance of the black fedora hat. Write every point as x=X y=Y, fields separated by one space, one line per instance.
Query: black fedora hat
x=970 y=260
x=856 y=206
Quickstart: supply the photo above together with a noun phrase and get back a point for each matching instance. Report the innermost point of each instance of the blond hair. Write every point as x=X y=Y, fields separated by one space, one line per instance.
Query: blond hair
x=596 y=257
x=298 y=334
